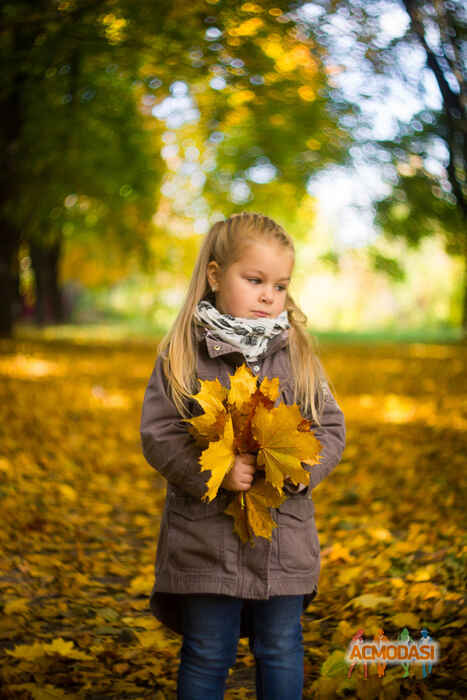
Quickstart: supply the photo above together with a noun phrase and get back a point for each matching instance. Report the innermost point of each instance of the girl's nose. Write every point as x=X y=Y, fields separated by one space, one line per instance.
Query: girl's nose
x=266 y=296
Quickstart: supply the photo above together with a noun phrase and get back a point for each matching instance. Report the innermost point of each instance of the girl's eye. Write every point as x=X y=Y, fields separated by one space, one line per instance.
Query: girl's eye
x=280 y=287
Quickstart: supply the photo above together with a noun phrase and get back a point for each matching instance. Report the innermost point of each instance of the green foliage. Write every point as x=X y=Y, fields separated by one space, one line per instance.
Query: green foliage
x=335 y=664
x=418 y=208
x=390 y=266
x=330 y=258
x=87 y=163
x=424 y=158
x=84 y=78
x=276 y=113
x=85 y=153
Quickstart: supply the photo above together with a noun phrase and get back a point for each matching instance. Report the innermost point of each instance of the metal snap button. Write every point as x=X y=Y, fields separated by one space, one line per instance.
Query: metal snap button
x=217 y=347
x=256 y=368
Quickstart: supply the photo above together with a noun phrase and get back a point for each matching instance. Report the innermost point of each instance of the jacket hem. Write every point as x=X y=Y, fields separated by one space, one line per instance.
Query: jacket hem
x=166 y=606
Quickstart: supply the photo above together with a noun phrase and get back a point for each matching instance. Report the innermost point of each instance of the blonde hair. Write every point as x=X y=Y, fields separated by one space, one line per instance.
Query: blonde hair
x=223 y=244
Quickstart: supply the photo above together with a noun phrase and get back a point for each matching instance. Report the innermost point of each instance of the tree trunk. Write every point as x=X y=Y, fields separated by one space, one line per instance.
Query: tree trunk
x=45 y=257
x=455 y=115
x=464 y=305
x=9 y=307
x=10 y=236
x=21 y=39
x=55 y=292
x=45 y=265
x=453 y=108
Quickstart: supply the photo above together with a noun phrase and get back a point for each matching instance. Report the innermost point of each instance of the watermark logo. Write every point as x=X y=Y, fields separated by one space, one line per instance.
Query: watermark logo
x=382 y=651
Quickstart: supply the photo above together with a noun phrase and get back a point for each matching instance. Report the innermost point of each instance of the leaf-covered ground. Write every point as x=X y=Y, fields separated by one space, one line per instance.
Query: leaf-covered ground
x=80 y=511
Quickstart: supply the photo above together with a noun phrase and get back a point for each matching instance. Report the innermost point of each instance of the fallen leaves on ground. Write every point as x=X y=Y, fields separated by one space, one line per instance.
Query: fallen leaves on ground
x=81 y=511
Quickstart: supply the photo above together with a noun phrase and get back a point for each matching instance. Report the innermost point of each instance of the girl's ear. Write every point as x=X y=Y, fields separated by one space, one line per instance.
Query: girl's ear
x=212 y=273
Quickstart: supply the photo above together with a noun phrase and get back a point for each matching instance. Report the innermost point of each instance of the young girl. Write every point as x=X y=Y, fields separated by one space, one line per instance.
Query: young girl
x=210 y=587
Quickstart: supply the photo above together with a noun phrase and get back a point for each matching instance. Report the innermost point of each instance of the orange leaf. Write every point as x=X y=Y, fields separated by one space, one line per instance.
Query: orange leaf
x=238 y=513
x=254 y=520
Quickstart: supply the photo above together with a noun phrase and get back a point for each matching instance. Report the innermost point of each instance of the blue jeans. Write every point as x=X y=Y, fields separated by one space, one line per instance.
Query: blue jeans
x=211 y=625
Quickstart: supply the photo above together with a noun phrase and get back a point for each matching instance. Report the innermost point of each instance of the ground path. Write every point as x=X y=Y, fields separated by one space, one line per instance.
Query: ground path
x=81 y=507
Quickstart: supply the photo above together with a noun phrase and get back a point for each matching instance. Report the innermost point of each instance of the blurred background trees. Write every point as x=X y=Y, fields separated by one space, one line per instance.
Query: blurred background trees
x=423 y=57
x=128 y=128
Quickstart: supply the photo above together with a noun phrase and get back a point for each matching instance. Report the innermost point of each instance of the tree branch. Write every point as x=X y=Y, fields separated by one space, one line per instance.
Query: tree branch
x=454 y=108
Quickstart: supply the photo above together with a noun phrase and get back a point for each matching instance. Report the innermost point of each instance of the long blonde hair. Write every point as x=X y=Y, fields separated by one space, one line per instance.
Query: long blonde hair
x=223 y=244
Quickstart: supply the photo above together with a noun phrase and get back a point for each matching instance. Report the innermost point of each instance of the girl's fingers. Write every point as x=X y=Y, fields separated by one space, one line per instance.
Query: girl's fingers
x=245 y=480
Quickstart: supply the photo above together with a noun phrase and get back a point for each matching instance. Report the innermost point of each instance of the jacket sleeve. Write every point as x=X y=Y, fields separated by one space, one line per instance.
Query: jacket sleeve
x=331 y=434
x=167 y=444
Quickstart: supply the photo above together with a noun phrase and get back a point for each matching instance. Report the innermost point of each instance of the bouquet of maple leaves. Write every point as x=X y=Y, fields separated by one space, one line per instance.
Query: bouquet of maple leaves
x=243 y=419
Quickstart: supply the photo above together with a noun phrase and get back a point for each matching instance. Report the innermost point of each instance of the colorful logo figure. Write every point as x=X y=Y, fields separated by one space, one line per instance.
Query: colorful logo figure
x=425 y=638
x=383 y=651
x=378 y=638
x=358 y=638
x=404 y=636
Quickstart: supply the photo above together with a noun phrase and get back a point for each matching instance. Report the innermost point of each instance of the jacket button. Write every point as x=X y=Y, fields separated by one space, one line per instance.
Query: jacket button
x=217 y=347
x=256 y=368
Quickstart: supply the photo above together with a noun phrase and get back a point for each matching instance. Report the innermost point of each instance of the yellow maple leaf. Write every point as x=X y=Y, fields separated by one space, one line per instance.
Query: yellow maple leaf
x=259 y=500
x=244 y=419
x=282 y=446
x=211 y=398
x=252 y=518
x=139 y=584
x=68 y=492
x=270 y=388
x=30 y=652
x=152 y=638
x=406 y=619
x=27 y=652
x=236 y=509
x=242 y=386
x=338 y=551
x=219 y=458
x=206 y=428
x=349 y=573
x=65 y=648
x=46 y=692
x=18 y=605
x=371 y=600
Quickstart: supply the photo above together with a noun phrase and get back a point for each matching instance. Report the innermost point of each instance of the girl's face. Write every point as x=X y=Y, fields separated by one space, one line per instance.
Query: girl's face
x=255 y=286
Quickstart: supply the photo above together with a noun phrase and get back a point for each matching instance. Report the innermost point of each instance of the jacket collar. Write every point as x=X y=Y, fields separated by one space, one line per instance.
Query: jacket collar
x=216 y=347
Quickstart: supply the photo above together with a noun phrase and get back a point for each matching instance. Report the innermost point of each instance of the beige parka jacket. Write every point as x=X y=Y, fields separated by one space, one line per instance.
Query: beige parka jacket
x=197 y=550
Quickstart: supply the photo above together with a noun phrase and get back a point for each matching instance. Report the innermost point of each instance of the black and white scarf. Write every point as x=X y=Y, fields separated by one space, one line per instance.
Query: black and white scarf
x=250 y=335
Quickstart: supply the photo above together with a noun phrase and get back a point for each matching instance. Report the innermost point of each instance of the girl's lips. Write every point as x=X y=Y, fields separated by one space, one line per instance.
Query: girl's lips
x=260 y=313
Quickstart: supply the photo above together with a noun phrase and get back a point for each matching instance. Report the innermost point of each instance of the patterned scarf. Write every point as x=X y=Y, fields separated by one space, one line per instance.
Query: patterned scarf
x=250 y=335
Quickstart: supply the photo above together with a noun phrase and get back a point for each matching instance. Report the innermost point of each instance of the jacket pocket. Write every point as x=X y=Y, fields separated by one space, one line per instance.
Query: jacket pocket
x=298 y=541
x=195 y=538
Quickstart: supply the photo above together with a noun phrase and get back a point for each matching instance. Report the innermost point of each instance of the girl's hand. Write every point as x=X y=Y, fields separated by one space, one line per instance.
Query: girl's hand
x=240 y=477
